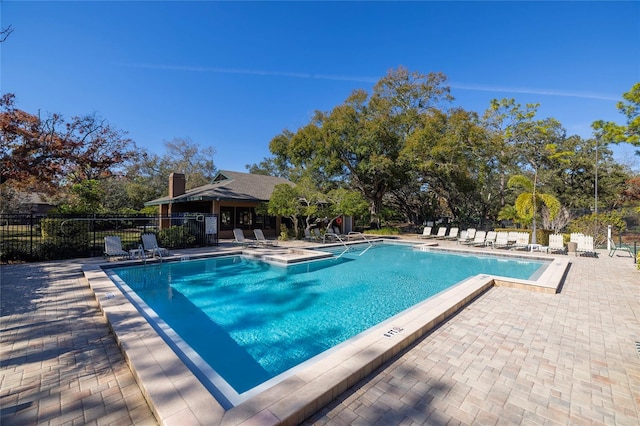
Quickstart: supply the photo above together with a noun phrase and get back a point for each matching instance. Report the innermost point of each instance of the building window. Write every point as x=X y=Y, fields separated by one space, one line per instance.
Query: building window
x=244 y=217
x=264 y=221
x=226 y=217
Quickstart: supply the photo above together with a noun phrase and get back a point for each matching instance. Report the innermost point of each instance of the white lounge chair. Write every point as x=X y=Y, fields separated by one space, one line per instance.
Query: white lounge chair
x=471 y=234
x=452 y=235
x=150 y=245
x=556 y=244
x=262 y=240
x=585 y=245
x=478 y=239
x=575 y=236
x=522 y=240
x=513 y=238
x=502 y=240
x=113 y=247
x=442 y=232
x=621 y=247
x=239 y=237
x=426 y=232
x=490 y=238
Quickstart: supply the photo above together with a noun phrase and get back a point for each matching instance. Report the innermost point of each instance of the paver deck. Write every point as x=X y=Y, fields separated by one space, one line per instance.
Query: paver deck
x=511 y=356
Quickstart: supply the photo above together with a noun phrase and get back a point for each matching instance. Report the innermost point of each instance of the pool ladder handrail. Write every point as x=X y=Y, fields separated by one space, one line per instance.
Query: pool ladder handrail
x=355 y=233
x=156 y=249
x=141 y=253
x=346 y=247
x=337 y=237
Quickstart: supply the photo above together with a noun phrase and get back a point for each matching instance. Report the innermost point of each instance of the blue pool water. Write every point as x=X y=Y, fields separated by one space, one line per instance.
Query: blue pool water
x=250 y=320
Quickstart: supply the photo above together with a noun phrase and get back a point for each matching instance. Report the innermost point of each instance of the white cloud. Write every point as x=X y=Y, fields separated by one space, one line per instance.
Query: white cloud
x=251 y=72
x=546 y=92
x=364 y=79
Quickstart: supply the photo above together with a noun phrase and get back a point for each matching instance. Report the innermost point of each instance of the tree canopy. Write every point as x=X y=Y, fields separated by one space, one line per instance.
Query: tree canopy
x=402 y=146
x=50 y=152
x=401 y=149
x=609 y=131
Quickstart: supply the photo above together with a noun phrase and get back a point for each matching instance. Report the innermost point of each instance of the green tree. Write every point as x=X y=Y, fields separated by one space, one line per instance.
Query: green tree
x=511 y=213
x=358 y=143
x=630 y=132
x=449 y=153
x=502 y=121
x=529 y=201
x=284 y=202
x=85 y=197
x=341 y=202
x=302 y=200
x=537 y=149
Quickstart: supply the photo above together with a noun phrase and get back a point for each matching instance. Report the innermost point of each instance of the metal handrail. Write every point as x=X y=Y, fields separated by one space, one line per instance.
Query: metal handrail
x=363 y=237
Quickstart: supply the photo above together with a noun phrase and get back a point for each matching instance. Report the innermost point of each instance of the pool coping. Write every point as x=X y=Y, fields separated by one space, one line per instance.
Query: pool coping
x=176 y=396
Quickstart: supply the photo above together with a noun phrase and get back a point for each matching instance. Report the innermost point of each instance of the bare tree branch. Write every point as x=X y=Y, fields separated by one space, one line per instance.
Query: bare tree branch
x=5 y=32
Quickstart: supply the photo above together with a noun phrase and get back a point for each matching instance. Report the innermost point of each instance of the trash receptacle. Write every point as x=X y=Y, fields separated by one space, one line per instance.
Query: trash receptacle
x=572 y=247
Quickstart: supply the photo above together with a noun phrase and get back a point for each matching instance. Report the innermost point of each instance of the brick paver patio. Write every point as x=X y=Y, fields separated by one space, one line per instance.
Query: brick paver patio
x=59 y=364
x=511 y=356
x=518 y=357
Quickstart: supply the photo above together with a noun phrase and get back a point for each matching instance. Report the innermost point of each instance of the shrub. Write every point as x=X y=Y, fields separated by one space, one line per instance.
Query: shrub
x=175 y=237
x=63 y=238
x=284 y=234
x=596 y=225
x=383 y=231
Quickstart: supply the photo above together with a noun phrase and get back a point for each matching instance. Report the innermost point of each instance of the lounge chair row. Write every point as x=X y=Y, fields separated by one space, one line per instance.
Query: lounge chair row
x=148 y=247
x=248 y=242
x=442 y=233
x=495 y=239
x=520 y=240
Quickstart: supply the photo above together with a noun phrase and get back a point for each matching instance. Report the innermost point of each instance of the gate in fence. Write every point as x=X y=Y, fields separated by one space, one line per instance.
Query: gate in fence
x=32 y=237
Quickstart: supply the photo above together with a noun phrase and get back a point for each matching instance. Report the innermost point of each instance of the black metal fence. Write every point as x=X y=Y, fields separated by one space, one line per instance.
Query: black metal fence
x=31 y=237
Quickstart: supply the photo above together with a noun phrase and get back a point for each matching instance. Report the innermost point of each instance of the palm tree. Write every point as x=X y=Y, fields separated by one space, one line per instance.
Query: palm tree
x=510 y=213
x=529 y=201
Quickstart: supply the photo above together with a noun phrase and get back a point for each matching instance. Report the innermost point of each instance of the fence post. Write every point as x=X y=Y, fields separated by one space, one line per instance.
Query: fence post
x=93 y=226
x=31 y=234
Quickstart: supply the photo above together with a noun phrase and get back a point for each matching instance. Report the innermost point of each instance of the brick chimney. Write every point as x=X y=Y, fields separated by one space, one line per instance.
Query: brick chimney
x=176 y=184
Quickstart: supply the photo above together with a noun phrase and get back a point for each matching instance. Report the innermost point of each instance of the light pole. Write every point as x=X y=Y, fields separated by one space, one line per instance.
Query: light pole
x=596 y=183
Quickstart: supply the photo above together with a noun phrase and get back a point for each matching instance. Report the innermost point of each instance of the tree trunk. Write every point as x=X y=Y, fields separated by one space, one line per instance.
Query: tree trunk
x=376 y=207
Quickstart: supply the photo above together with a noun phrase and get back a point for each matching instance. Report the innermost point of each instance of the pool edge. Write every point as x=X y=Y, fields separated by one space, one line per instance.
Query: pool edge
x=175 y=395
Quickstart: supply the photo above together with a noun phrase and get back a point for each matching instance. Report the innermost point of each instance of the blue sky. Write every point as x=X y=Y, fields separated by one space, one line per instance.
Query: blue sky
x=233 y=75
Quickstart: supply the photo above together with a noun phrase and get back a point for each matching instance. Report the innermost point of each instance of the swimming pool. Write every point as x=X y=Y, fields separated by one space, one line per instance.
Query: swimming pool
x=252 y=321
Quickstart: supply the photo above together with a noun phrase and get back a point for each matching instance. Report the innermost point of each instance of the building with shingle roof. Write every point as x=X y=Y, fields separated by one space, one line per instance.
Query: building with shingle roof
x=233 y=196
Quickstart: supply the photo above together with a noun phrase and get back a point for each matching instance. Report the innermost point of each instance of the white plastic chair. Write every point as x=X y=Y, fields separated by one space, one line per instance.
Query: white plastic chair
x=113 y=247
x=150 y=245
x=260 y=238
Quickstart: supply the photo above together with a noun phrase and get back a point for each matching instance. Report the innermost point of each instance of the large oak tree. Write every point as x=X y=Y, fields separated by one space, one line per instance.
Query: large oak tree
x=359 y=142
